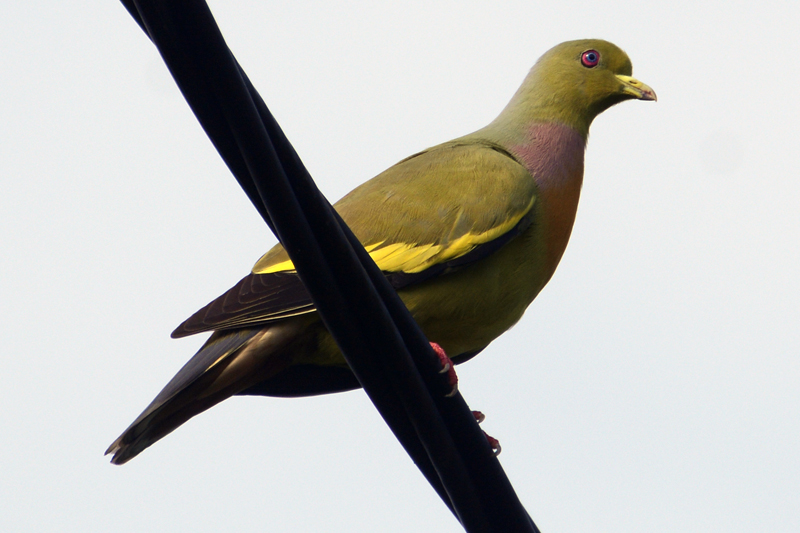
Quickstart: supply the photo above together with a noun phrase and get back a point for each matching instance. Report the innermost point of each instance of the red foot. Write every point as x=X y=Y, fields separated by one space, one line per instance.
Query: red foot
x=494 y=443
x=447 y=368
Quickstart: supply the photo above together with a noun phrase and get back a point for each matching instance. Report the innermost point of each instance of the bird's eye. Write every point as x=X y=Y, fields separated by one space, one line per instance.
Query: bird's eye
x=590 y=58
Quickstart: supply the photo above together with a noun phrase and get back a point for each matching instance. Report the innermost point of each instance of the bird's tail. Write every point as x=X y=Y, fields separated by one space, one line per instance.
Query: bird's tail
x=228 y=363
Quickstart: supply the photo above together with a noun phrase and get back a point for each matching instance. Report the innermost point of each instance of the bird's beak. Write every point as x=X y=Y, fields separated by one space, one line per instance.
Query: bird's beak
x=635 y=88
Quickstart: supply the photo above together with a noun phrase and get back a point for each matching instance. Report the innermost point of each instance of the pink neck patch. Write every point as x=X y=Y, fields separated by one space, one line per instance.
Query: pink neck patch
x=553 y=154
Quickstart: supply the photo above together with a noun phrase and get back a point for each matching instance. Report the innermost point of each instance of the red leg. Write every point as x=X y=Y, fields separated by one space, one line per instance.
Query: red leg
x=447 y=368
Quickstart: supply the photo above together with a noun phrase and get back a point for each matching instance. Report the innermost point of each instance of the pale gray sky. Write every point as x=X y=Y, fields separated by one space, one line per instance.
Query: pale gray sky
x=654 y=385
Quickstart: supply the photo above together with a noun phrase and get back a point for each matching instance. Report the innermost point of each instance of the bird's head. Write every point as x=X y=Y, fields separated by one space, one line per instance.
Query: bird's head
x=574 y=82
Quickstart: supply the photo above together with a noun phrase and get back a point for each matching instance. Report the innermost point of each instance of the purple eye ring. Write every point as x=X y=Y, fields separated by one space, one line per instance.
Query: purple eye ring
x=590 y=58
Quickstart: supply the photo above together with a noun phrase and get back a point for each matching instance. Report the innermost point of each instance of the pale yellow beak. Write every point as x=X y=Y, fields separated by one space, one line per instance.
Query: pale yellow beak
x=635 y=88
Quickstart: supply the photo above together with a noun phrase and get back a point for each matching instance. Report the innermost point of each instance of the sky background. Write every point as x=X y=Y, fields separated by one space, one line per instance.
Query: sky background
x=654 y=385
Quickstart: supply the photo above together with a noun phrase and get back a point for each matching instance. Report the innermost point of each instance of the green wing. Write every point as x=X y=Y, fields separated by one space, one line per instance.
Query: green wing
x=435 y=211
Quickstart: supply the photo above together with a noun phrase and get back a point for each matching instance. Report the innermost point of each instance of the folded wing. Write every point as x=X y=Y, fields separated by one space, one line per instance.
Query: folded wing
x=431 y=213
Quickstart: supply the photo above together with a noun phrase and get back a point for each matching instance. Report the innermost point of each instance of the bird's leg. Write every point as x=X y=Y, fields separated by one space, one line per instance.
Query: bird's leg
x=493 y=442
x=447 y=368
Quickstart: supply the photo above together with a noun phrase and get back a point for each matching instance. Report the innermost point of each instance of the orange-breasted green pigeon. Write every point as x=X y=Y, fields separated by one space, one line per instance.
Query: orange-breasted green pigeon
x=468 y=232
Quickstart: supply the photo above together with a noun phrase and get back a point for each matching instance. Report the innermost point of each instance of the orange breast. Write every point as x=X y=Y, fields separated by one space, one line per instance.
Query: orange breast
x=553 y=154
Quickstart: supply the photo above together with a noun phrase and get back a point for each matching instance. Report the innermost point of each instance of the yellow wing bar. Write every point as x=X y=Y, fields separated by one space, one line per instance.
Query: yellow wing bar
x=414 y=258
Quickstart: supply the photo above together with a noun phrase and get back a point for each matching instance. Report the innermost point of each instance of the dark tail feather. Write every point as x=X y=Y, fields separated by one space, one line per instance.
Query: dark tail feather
x=228 y=363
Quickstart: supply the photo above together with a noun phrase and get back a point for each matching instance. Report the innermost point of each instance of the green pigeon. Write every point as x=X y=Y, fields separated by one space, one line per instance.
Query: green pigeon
x=468 y=232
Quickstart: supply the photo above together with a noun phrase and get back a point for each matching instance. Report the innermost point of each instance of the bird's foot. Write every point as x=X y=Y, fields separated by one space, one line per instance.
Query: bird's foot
x=493 y=442
x=447 y=368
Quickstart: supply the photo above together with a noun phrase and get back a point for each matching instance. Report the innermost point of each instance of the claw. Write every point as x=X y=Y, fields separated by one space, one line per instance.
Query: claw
x=494 y=443
x=447 y=368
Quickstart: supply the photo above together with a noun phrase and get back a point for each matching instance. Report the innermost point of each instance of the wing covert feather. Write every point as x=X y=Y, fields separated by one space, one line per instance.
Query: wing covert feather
x=438 y=209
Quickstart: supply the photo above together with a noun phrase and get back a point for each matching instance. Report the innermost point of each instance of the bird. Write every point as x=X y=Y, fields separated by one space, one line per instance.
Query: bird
x=468 y=232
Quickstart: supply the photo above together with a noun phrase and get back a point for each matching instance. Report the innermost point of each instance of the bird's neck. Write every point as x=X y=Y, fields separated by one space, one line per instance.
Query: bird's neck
x=553 y=154
x=544 y=98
